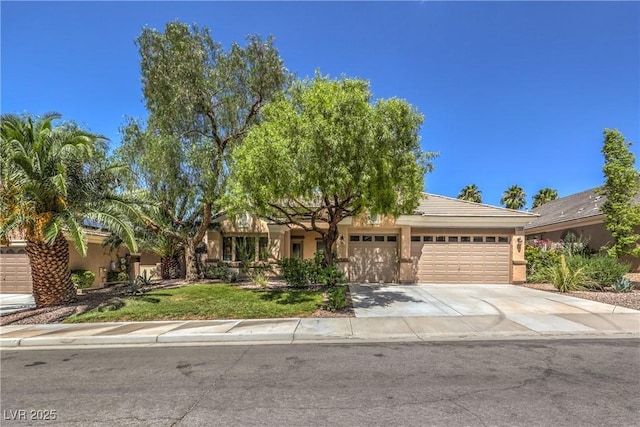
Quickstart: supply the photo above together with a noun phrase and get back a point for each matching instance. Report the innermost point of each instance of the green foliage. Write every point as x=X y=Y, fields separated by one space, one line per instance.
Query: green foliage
x=336 y=298
x=543 y=196
x=82 y=278
x=471 y=193
x=566 y=277
x=622 y=184
x=575 y=245
x=55 y=176
x=604 y=270
x=622 y=285
x=201 y=100
x=539 y=259
x=332 y=153
x=514 y=197
x=117 y=276
x=144 y=279
x=220 y=271
x=294 y=271
x=331 y=276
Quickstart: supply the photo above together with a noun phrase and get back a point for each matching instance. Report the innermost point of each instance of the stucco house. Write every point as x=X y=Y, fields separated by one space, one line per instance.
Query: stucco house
x=444 y=241
x=579 y=214
x=15 y=272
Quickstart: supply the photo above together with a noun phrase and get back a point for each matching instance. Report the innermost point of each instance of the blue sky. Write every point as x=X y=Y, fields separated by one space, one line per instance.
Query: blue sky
x=512 y=92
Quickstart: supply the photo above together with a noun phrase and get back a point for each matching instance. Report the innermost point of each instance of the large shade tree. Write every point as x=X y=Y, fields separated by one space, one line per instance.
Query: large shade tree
x=514 y=197
x=325 y=151
x=202 y=100
x=471 y=193
x=544 y=195
x=621 y=186
x=53 y=178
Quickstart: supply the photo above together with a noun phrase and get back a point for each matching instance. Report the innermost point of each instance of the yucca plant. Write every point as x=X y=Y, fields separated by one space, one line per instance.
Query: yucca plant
x=52 y=179
x=567 y=278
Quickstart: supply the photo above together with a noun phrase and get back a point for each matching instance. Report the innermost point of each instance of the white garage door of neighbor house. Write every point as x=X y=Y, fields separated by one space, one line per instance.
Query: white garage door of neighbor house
x=15 y=272
x=373 y=258
x=460 y=259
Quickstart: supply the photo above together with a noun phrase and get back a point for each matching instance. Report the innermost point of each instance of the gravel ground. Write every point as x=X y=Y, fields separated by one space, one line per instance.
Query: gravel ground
x=622 y=299
x=95 y=298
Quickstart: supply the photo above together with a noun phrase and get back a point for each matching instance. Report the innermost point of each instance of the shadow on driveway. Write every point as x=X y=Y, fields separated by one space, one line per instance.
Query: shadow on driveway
x=372 y=296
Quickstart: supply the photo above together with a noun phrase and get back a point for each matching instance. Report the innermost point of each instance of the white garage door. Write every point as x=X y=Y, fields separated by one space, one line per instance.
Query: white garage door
x=15 y=272
x=373 y=258
x=460 y=259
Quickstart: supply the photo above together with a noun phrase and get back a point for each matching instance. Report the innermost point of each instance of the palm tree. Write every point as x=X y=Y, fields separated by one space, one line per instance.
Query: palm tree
x=514 y=198
x=471 y=193
x=543 y=196
x=53 y=178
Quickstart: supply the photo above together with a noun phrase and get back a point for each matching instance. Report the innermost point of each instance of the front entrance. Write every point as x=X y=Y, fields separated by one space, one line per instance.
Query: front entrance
x=373 y=258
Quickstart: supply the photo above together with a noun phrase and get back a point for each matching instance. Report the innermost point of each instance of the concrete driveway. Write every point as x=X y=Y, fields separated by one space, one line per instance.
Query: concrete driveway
x=467 y=300
x=14 y=302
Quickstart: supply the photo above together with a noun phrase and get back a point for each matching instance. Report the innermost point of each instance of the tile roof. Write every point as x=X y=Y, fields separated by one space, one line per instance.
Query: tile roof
x=436 y=205
x=581 y=205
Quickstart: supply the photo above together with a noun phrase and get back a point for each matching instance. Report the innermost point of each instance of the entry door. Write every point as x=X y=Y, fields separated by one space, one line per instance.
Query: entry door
x=296 y=249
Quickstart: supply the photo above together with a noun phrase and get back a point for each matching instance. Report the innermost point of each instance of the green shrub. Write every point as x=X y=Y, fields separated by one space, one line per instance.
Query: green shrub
x=336 y=298
x=567 y=277
x=220 y=272
x=294 y=271
x=82 y=278
x=605 y=271
x=539 y=259
x=622 y=285
x=332 y=276
x=259 y=278
x=315 y=267
x=117 y=276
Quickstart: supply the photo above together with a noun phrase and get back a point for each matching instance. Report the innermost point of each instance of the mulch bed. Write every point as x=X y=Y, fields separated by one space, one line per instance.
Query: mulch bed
x=95 y=298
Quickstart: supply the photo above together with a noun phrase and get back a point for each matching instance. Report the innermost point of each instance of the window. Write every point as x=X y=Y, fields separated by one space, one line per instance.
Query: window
x=392 y=238
x=263 y=249
x=319 y=246
x=453 y=239
x=367 y=238
x=440 y=239
x=503 y=240
x=245 y=248
x=415 y=238
x=465 y=239
x=296 y=249
x=227 y=248
x=490 y=239
x=379 y=238
x=477 y=239
x=354 y=238
x=427 y=239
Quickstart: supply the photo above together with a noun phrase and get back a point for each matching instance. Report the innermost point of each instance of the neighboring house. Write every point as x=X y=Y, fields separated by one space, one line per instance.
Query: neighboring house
x=15 y=272
x=579 y=214
x=445 y=240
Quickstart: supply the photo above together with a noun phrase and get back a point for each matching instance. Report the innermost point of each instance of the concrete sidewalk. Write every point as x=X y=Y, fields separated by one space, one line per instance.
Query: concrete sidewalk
x=368 y=329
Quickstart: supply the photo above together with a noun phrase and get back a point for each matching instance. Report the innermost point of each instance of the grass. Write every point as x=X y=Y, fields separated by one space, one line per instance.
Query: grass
x=206 y=302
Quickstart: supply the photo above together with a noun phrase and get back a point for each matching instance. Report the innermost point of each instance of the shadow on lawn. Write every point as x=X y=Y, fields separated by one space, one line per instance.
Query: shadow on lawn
x=289 y=297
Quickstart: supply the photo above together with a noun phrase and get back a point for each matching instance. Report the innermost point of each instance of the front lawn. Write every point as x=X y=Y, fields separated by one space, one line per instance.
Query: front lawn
x=206 y=302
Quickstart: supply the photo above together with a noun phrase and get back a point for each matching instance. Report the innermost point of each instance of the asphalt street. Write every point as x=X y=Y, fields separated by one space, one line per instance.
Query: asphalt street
x=497 y=383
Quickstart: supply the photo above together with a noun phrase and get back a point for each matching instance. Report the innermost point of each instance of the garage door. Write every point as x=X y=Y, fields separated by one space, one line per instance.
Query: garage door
x=373 y=258
x=15 y=272
x=460 y=259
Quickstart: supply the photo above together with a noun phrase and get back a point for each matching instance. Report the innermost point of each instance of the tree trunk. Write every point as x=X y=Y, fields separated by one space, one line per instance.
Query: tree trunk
x=50 y=272
x=192 y=273
x=170 y=267
x=329 y=239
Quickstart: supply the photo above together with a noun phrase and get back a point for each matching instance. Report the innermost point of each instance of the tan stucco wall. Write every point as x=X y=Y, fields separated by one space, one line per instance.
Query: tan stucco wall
x=97 y=257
